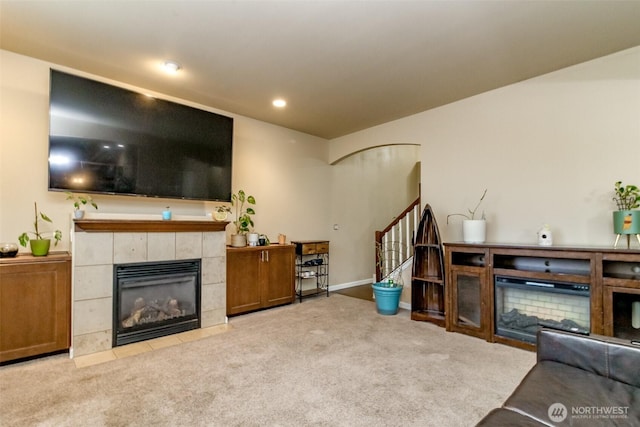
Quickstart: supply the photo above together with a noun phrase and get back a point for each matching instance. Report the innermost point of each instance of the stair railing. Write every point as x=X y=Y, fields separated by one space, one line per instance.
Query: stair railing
x=394 y=244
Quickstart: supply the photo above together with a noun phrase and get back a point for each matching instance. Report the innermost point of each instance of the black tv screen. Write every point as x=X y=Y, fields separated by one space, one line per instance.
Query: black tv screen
x=106 y=139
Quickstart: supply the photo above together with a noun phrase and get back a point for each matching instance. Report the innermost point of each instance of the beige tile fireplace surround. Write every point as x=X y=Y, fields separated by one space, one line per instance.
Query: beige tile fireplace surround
x=99 y=244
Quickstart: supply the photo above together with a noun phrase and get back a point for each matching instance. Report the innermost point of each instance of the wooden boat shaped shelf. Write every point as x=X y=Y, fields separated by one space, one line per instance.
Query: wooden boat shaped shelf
x=427 y=281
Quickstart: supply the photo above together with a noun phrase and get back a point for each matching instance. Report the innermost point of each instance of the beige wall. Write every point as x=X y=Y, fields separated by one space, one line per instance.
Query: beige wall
x=548 y=149
x=369 y=189
x=286 y=171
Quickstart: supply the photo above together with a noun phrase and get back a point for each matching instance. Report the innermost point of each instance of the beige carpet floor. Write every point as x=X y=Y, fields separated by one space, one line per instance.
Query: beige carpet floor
x=325 y=362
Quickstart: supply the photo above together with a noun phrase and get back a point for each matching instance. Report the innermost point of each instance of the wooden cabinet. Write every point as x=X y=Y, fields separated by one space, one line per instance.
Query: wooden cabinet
x=35 y=305
x=582 y=289
x=468 y=309
x=259 y=277
x=621 y=294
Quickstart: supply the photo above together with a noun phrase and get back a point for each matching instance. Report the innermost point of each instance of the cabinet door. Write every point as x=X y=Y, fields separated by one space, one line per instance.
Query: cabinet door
x=468 y=293
x=35 y=309
x=243 y=281
x=279 y=287
x=468 y=308
x=620 y=312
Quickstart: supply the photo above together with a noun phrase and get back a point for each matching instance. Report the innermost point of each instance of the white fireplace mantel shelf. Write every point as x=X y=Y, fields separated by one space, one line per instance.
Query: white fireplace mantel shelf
x=137 y=226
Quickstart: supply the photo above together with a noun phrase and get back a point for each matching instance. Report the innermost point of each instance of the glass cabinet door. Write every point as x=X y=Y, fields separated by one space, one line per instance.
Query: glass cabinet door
x=622 y=312
x=467 y=305
x=468 y=301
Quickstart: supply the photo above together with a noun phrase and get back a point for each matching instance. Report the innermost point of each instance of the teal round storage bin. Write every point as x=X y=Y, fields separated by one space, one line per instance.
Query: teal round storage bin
x=387 y=298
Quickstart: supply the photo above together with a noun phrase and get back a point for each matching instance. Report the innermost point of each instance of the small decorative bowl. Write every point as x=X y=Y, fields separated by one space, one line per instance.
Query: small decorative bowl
x=8 y=250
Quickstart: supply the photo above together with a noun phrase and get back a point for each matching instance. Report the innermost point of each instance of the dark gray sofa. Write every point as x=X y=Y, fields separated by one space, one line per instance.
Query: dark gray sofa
x=577 y=381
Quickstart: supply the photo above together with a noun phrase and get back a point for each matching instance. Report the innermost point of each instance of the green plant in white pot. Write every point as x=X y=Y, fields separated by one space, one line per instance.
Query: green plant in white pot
x=40 y=244
x=474 y=230
x=221 y=212
x=243 y=222
x=626 y=220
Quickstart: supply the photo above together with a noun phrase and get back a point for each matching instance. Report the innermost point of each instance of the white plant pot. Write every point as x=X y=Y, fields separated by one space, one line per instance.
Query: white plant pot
x=252 y=239
x=474 y=230
x=78 y=214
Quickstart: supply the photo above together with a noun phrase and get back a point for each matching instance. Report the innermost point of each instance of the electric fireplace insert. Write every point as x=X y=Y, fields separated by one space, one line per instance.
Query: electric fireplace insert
x=522 y=306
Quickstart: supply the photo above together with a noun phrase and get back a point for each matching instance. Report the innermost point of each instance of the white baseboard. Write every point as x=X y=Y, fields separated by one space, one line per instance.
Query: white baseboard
x=349 y=284
x=405 y=305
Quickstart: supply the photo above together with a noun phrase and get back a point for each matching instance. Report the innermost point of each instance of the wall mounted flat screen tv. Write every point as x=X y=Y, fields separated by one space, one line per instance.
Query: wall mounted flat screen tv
x=106 y=139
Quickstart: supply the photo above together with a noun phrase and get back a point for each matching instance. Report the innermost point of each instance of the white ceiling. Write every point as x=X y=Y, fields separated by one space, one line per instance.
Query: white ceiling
x=342 y=66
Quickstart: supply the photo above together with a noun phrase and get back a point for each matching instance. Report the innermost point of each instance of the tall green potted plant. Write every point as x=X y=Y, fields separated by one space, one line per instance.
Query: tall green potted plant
x=40 y=244
x=626 y=220
x=243 y=222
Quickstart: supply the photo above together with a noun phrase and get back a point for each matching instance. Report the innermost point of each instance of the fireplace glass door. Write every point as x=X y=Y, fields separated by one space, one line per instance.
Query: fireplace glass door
x=155 y=299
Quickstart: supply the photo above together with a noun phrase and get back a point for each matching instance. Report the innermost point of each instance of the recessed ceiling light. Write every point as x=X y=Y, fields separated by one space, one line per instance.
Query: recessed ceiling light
x=171 y=67
x=280 y=103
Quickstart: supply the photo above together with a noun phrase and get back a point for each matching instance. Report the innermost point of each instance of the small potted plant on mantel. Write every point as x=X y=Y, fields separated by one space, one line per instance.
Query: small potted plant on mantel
x=78 y=202
x=220 y=213
x=243 y=222
x=473 y=230
x=40 y=244
x=626 y=220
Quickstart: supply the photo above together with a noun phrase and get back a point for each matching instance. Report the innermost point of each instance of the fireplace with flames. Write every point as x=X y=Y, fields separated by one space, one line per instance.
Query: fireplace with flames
x=155 y=299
